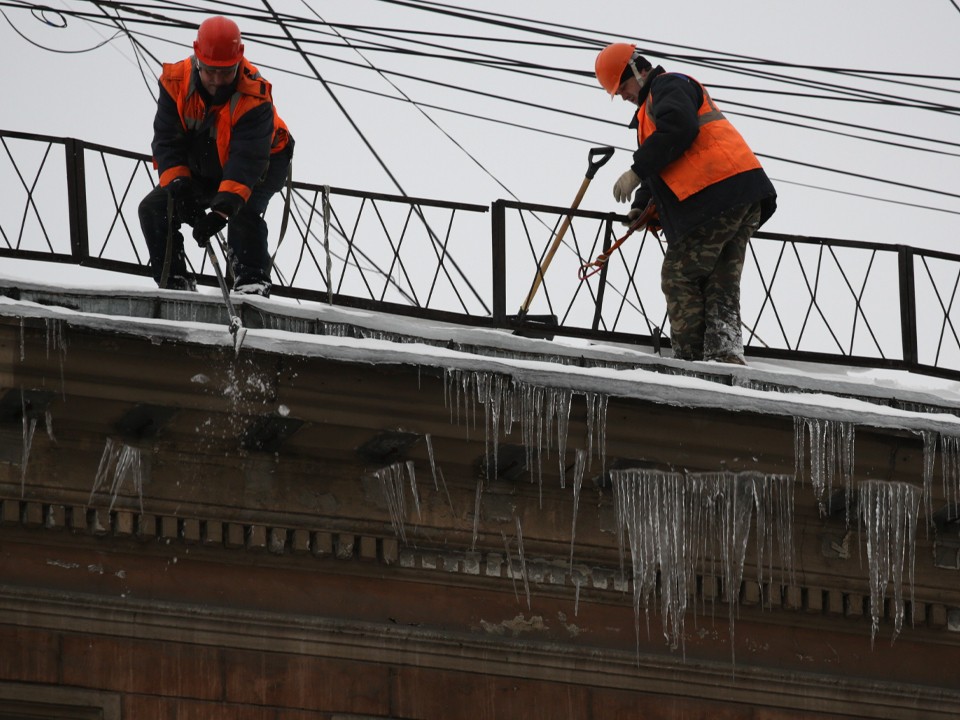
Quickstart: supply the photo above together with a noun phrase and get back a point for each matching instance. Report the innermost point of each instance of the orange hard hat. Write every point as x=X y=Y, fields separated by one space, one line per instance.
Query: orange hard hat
x=218 y=42
x=611 y=62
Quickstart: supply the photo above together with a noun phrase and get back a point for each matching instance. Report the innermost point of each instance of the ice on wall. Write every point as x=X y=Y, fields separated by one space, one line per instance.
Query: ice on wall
x=543 y=414
x=888 y=525
x=393 y=479
x=118 y=463
x=831 y=450
x=678 y=526
x=949 y=447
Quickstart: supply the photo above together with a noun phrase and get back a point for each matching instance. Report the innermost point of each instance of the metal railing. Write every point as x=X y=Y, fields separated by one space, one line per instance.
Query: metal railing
x=819 y=299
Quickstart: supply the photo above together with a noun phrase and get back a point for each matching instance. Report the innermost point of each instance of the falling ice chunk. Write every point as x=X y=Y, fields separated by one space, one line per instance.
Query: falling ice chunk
x=283 y=411
x=200 y=379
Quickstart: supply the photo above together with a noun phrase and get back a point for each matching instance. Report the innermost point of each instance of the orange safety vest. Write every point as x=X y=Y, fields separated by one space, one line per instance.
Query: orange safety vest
x=252 y=90
x=717 y=153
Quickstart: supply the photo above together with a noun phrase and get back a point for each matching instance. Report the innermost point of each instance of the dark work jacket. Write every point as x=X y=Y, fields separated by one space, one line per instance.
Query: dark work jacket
x=676 y=100
x=254 y=136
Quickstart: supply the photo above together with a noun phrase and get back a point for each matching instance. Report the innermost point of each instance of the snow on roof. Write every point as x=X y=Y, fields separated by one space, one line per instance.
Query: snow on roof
x=869 y=397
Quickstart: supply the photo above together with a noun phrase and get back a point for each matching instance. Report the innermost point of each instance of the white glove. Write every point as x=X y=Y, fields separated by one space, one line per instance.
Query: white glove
x=623 y=188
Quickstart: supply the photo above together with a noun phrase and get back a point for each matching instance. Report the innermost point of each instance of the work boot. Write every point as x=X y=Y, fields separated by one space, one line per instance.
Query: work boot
x=179 y=282
x=729 y=359
x=253 y=287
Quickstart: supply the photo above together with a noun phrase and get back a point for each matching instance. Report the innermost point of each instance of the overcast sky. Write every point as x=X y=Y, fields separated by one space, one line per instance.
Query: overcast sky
x=101 y=96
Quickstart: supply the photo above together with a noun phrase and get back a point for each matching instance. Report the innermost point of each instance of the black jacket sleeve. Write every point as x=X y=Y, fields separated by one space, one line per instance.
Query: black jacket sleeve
x=676 y=100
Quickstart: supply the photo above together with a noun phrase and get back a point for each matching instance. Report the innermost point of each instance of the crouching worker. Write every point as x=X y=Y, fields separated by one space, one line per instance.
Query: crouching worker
x=222 y=152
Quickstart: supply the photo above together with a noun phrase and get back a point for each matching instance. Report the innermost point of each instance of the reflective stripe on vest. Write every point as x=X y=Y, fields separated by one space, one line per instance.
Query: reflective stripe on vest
x=717 y=153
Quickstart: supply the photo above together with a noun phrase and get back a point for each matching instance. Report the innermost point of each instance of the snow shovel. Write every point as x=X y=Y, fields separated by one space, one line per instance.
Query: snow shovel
x=596 y=158
x=236 y=327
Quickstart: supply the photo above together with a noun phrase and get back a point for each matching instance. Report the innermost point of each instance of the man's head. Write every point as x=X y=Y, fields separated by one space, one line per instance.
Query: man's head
x=621 y=70
x=218 y=50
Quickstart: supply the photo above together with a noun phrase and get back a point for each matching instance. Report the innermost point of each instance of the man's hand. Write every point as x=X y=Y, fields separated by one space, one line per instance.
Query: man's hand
x=207 y=226
x=623 y=188
x=187 y=204
x=632 y=216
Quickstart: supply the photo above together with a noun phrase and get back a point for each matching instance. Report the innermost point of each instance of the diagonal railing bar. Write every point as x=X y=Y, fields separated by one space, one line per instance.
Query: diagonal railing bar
x=768 y=297
x=645 y=238
x=440 y=256
x=353 y=250
x=580 y=285
x=538 y=260
x=953 y=297
x=304 y=225
x=350 y=245
x=631 y=282
x=858 y=300
x=946 y=312
x=813 y=298
x=441 y=267
x=388 y=276
x=29 y=201
x=118 y=207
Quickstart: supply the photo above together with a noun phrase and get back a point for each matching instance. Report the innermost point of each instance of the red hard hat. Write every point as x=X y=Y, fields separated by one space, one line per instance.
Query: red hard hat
x=218 y=42
x=611 y=62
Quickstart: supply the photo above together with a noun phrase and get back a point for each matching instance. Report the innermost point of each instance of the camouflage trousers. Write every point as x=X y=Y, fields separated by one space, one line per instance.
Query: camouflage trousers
x=700 y=279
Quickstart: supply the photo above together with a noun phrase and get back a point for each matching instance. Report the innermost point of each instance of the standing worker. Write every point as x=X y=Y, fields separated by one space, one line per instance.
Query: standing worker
x=222 y=152
x=710 y=192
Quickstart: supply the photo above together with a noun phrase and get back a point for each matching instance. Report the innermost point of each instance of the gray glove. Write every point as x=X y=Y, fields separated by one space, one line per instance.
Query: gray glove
x=632 y=215
x=623 y=188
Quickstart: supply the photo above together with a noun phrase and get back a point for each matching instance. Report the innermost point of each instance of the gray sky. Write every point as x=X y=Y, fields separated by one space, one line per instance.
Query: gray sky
x=101 y=96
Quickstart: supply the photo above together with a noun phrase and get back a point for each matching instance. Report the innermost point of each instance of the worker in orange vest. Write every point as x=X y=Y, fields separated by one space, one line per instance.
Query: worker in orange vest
x=710 y=192
x=222 y=152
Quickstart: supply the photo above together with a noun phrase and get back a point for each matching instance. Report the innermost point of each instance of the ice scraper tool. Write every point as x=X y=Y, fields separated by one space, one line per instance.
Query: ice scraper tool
x=596 y=158
x=236 y=326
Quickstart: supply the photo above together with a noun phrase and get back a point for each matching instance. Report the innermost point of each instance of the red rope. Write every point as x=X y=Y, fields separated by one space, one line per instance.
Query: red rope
x=644 y=221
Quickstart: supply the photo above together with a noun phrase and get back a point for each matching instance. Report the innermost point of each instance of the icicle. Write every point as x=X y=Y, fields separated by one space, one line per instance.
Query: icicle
x=434 y=469
x=817 y=461
x=412 y=475
x=576 y=598
x=523 y=562
x=29 y=426
x=950 y=461
x=564 y=398
x=831 y=452
x=391 y=482
x=476 y=514
x=773 y=498
x=929 y=462
x=48 y=419
x=117 y=462
x=735 y=529
x=578 y=469
x=23 y=344
x=506 y=550
x=889 y=512
x=799 y=447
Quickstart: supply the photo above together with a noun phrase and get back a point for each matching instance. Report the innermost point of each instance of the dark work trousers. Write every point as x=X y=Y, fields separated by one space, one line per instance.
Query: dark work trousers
x=246 y=231
x=700 y=279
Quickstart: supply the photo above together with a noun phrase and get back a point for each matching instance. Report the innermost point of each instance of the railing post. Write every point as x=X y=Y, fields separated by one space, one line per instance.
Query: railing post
x=499 y=261
x=908 y=305
x=77 y=200
x=602 y=284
